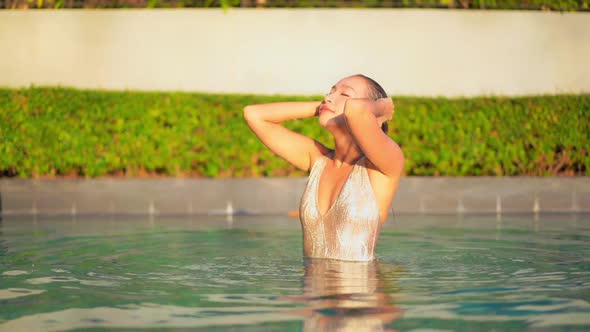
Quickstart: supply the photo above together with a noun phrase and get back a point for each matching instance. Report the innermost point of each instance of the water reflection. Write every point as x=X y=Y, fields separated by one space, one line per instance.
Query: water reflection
x=347 y=296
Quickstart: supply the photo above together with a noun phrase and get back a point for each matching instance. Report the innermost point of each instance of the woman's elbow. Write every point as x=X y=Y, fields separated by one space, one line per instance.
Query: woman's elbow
x=248 y=112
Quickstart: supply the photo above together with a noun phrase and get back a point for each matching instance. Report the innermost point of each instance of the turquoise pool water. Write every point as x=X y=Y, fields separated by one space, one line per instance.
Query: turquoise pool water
x=434 y=273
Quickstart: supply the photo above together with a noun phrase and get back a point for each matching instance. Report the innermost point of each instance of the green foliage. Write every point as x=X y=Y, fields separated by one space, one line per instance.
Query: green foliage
x=557 y=5
x=63 y=131
x=546 y=135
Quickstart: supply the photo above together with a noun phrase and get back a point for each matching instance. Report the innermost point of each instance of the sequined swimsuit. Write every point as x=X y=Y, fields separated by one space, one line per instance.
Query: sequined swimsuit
x=350 y=227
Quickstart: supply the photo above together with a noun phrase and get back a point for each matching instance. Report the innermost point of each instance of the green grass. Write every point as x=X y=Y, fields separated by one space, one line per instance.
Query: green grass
x=57 y=131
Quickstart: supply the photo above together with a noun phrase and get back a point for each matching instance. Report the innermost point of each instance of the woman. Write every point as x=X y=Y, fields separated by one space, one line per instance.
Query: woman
x=350 y=188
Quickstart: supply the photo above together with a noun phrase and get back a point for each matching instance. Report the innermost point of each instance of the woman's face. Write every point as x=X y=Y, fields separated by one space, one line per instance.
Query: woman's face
x=332 y=107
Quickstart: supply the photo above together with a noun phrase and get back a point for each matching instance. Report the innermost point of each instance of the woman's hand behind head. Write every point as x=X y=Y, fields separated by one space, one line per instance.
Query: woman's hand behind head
x=383 y=109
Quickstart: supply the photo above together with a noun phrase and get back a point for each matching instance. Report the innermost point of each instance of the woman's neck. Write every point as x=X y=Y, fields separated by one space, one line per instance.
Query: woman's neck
x=346 y=151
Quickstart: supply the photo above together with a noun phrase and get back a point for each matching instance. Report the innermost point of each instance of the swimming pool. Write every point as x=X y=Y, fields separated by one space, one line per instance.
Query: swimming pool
x=462 y=273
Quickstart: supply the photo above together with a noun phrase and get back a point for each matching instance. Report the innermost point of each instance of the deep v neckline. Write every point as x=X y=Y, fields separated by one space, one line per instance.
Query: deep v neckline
x=317 y=192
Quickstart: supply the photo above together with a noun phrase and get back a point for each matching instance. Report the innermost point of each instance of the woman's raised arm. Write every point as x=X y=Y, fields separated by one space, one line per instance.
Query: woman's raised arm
x=364 y=118
x=265 y=121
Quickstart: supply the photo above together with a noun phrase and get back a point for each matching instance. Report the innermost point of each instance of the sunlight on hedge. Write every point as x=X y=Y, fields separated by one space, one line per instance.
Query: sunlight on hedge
x=50 y=132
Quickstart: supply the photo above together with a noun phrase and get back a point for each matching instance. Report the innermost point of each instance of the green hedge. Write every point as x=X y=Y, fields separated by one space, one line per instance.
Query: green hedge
x=560 y=5
x=69 y=132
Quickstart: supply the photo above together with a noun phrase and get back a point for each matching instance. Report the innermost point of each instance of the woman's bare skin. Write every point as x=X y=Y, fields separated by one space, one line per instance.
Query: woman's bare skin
x=354 y=121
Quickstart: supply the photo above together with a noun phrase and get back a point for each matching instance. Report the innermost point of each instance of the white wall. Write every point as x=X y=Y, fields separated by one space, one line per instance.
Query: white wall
x=298 y=51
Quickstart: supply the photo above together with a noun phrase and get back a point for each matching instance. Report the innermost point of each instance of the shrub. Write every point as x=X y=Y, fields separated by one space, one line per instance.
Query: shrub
x=47 y=132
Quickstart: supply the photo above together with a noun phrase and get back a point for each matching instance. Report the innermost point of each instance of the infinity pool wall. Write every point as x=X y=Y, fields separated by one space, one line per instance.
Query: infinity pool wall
x=280 y=196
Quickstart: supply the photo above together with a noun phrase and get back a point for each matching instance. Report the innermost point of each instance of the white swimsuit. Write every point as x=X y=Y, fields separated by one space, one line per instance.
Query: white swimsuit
x=350 y=227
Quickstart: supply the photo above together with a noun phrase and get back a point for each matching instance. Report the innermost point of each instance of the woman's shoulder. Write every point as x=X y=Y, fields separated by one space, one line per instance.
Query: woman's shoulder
x=322 y=153
x=374 y=172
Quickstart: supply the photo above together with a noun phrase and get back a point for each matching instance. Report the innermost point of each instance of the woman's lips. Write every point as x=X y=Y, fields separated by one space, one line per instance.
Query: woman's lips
x=325 y=108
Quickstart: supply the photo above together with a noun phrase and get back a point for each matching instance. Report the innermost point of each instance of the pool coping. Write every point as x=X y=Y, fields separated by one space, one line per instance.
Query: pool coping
x=263 y=196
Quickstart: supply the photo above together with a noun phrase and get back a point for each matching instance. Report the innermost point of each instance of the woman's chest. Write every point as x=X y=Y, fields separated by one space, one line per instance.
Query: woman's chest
x=354 y=203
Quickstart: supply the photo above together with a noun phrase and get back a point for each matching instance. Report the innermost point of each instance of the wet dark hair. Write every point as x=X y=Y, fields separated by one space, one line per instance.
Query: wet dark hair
x=375 y=92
